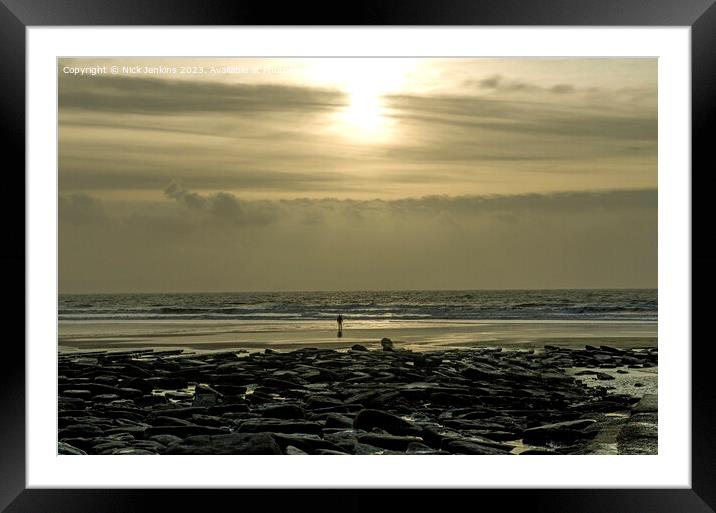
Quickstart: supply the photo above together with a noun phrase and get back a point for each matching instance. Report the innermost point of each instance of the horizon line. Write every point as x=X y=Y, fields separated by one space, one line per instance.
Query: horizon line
x=350 y=290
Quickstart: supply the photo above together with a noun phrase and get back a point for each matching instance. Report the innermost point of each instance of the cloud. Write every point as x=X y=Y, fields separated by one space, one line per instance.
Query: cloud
x=128 y=178
x=162 y=96
x=520 y=133
x=190 y=199
x=218 y=241
x=135 y=134
x=500 y=83
x=562 y=89
x=314 y=211
x=564 y=202
x=519 y=117
x=223 y=206
x=80 y=209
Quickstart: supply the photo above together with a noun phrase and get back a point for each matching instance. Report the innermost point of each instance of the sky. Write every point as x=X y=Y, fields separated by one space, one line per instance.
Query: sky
x=179 y=175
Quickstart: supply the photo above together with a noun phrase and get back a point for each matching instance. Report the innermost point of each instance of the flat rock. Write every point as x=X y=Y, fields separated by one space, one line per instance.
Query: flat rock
x=282 y=411
x=369 y=419
x=184 y=431
x=135 y=431
x=648 y=404
x=365 y=449
x=463 y=447
x=234 y=443
x=132 y=451
x=150 y=400
x=560 y=432
x=80 y=431
x=331 y=452
x=278 y=426
x=65 y=448
x=105 y=398
x=420 y=448
x=316 y=402
x=164 y=420
x=336 y=420
x=279 y=384
x=81 y=394
x=307 y=443
x=603 y=376
x=165 y=440
x=392 y=442
x=323 y=401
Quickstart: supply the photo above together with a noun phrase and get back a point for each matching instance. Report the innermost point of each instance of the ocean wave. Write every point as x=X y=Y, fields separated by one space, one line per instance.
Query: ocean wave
x=409 y=305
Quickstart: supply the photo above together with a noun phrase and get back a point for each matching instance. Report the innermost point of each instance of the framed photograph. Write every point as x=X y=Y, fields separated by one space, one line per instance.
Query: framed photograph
x=416 y=248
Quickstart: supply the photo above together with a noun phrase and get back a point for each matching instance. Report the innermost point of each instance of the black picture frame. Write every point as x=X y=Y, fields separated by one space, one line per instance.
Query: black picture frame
x=17 y=15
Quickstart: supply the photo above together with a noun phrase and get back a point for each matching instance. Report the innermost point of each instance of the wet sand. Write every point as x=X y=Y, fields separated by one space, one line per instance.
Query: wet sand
x=413 y=335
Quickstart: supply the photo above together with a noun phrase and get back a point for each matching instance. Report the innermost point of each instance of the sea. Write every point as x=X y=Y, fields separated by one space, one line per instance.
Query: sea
x=411 y=305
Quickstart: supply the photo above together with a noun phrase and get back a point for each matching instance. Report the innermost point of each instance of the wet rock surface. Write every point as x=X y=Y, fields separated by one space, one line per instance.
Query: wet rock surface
x=355 y=401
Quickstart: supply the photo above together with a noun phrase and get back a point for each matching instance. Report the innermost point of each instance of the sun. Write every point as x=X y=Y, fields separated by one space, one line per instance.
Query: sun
x=365 y=111
x=367 y=83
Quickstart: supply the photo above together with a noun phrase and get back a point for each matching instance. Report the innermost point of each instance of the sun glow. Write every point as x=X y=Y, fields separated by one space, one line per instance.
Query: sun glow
x=365 y=111
x=367 y=83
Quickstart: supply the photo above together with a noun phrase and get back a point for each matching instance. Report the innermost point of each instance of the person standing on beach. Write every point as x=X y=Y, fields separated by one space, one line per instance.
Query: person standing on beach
x=339 y=320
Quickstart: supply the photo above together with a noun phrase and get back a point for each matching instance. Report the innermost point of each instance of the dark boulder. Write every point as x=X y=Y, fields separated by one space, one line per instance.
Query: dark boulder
x=369 y=419
x=205 y=396
x=282 y=411
x=603 y=376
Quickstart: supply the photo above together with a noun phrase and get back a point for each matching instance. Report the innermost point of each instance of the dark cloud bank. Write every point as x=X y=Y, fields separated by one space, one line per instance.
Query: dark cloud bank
x=217 y=241
x=160 y=96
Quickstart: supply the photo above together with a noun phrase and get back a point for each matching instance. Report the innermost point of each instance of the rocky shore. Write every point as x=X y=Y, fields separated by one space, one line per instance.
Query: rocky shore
x=353 y=401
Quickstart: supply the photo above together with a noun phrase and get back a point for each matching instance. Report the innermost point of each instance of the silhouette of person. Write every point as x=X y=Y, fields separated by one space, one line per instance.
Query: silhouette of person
x=339 y=320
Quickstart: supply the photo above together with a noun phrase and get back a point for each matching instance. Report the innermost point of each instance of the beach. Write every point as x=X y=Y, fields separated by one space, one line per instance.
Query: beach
x=438 y=387
x=416 y=335
x=413 y=372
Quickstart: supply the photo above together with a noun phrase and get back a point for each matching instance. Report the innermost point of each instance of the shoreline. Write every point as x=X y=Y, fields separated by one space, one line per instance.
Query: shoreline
x=413 y=335
x=139 y=345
